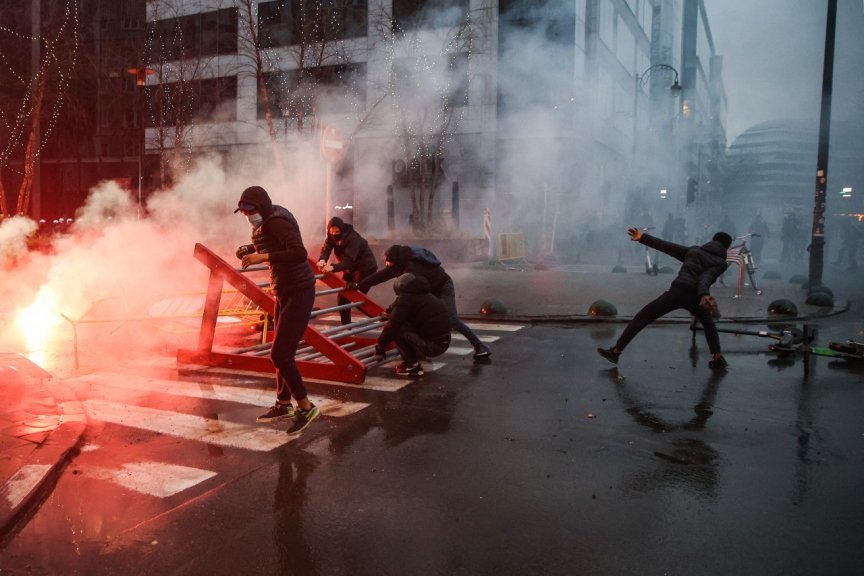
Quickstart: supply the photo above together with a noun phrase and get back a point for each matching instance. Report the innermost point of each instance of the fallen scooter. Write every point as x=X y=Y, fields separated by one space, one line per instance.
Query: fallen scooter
x=794 y=339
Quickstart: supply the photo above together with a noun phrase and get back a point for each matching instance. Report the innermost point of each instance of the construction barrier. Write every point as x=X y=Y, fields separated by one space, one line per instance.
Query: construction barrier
x=337 y=353
x=511 y=247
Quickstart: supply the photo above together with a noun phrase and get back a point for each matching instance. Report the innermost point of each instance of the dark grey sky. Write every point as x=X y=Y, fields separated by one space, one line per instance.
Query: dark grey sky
x=773 y=52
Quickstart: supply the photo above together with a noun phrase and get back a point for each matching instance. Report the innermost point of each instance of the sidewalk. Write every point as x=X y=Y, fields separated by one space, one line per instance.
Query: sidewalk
x=41 y=424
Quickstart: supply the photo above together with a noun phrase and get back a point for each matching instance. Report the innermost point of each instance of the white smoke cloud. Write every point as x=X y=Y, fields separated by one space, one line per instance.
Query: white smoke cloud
x=14 y=232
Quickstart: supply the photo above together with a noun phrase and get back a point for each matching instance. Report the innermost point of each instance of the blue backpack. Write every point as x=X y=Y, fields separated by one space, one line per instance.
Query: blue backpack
x=425 y=256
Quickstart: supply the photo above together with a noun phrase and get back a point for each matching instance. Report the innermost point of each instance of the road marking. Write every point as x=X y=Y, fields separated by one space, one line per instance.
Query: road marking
x=25 y=479
x=250 y=396
x=158 y=479
x=197 y=428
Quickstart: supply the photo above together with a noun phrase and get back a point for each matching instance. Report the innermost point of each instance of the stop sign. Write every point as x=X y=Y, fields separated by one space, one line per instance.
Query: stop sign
x=332 y=147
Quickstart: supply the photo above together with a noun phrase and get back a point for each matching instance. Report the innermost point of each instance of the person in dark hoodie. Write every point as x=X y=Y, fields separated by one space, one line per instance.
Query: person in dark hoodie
x=700 y=268
x=421 y=262
x=418 y=323
x=353 y=257
x=276 y=241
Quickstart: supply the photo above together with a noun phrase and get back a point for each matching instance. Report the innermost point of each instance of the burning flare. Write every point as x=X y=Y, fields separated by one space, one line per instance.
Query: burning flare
x=39 y=320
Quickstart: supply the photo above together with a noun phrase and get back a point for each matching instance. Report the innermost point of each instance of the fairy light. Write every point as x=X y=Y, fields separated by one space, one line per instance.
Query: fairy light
x=57 y=57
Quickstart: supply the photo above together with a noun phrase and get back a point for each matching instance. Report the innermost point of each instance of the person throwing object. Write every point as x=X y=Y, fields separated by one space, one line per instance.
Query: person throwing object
x=700 y=268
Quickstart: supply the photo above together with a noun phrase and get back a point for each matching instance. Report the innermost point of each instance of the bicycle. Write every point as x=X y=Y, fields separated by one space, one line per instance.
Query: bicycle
x=741 y=255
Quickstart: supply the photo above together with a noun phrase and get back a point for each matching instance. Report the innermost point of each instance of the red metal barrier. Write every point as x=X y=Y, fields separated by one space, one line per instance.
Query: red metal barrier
x=338 y=355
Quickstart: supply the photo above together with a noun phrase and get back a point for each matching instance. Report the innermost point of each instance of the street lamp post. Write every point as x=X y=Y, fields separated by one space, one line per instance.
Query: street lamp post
x=140 y=74
x=675 y=88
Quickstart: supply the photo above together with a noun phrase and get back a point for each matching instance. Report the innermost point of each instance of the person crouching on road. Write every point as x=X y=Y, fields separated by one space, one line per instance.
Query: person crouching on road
x=700 y=268
x=353 y=258
x=422 y=262
x=276 y=240
x=418 y=323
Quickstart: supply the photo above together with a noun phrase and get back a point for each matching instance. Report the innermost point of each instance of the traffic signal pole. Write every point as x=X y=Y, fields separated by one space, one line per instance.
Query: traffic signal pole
x=817 y=241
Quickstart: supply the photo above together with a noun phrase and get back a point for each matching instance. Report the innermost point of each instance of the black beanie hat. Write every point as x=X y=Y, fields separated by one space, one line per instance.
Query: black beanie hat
x=724 y=239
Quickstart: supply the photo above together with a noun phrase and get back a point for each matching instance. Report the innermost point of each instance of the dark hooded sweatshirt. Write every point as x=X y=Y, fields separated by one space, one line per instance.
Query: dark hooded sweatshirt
x=701 y=267
x=405 y=260
x=279 y=237
x=416 y=310
x=351 y=250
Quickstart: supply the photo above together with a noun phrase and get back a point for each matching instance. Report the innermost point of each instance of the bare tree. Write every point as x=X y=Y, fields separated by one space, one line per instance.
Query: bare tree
x=39 y=63
x=430 y=54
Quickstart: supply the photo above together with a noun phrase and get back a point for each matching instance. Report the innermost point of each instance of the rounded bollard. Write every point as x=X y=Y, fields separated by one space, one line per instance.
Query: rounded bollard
x=820 y=296
x=602 y=308
x=799 y=279
x=492 y=306
x=783 y=307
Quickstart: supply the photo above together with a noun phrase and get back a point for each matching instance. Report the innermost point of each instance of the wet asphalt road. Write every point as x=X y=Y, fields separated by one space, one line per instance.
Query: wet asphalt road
x=546 y=461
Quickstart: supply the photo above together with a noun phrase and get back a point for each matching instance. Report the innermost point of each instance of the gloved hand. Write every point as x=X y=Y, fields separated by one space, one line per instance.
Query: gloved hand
x=327 y=268
x=321 y=264
x=244 y=250
x=709 y=304
x=352 y=286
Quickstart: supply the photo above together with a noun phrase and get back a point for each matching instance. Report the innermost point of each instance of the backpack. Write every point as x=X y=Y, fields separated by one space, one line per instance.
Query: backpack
x=425 y=256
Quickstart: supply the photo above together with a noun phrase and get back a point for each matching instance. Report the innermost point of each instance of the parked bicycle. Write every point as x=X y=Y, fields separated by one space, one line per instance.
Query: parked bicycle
x=741 y=255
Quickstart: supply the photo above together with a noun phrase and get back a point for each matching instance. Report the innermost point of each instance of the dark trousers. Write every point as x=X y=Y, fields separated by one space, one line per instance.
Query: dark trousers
x=290 y=320
x=413 y=346
x=447 y=295
x=678 y=296
x=345 y=315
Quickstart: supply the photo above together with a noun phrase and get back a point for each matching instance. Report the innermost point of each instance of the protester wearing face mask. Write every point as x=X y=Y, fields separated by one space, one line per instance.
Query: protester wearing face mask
x=276 y=241
x=353 y=257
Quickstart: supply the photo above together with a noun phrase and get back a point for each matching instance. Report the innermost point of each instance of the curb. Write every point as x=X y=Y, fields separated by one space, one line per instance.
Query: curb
x=38 y=474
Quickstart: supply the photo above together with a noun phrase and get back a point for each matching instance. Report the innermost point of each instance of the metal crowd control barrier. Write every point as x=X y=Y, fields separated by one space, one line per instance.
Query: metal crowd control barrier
x=339 y=353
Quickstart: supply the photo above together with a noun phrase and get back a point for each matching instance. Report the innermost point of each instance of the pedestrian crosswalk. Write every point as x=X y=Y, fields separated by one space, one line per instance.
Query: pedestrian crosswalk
x=213 y=412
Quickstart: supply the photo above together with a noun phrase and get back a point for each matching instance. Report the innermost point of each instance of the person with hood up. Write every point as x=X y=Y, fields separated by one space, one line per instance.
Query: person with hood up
x=353 y=258
x=421 y=262
x=700 y=268
x=418 y=323
x=276 y=241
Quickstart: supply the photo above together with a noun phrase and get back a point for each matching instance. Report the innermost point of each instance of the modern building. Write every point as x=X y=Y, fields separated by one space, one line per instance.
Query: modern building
x=89 y=129
x=772 y=170
x=555 y=115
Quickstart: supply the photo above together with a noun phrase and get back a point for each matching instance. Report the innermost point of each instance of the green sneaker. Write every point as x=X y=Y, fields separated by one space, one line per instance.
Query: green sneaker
x=277 y=412
x=302 y=419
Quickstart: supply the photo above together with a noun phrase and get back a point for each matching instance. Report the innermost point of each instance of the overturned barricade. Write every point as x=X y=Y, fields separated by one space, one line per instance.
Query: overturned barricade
x=338 y=353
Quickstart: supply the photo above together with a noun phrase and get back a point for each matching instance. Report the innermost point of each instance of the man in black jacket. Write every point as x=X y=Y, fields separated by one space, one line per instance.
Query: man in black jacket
x=276 y=240
x=690 y=290
x=418 y=323
x=421 y=262
x=353 y=258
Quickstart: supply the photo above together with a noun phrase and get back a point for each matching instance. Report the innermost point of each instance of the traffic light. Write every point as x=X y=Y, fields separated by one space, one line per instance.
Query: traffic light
x=692 y=190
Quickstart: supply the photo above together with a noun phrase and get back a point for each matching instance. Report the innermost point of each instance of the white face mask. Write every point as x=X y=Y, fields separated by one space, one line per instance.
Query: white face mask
x=254 y=219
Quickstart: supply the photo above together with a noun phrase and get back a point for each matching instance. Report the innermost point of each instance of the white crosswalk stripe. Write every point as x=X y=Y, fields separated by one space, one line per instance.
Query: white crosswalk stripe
x=207 y=430
x=205 y=391
x=158 y=479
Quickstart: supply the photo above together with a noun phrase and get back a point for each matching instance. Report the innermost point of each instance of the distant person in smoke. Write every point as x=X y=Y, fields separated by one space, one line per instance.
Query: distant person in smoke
x=276 y=241
x=421 y=262
x=700 y=268
x=417 y=322
x=850 y=236
x=353 y=258
x=760 y=233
